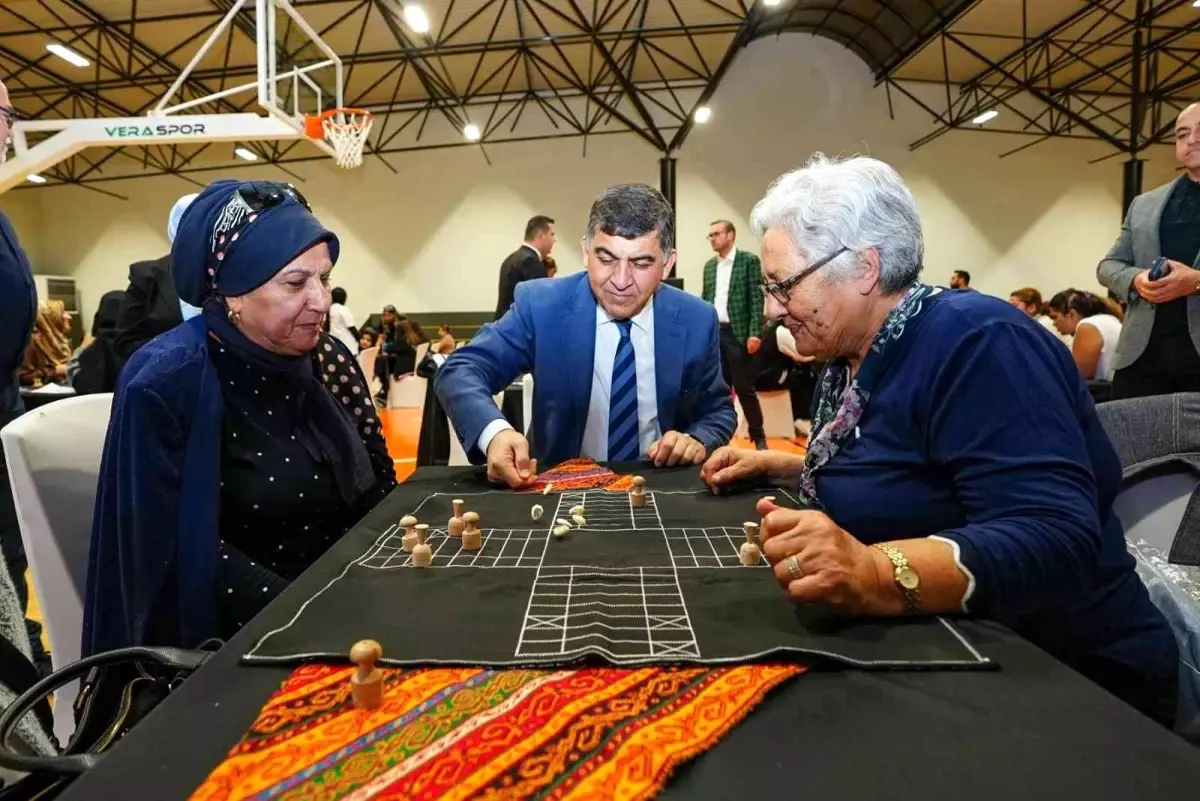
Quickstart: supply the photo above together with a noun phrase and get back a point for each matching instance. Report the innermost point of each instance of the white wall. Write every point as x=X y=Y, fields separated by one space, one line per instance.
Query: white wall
x=431 y=238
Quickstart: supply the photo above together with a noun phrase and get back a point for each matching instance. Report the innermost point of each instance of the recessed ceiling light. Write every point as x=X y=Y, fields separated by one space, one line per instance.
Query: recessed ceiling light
x=35 y=178
x=770 y=3
x=67 y=54
x=703 y=114
x=245 y=153
x=986 y=116
x=472 y=132
x=416 y=18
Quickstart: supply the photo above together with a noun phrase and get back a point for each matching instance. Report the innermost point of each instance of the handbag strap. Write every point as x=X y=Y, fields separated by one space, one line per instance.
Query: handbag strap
x=172 y=658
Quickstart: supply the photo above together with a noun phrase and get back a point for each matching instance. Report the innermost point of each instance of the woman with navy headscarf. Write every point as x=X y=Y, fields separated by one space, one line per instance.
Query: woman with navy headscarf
x=243 y=443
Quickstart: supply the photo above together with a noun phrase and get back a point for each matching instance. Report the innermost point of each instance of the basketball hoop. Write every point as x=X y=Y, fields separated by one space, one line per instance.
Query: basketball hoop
x=346 y=129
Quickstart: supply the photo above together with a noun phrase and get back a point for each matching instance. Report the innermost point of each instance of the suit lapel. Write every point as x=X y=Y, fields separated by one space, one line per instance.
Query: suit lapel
x=669 y=336
x=579 y=330
x=1154 y=210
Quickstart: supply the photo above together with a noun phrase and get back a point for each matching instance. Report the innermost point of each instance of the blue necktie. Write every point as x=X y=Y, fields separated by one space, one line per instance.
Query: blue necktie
x=622 y=401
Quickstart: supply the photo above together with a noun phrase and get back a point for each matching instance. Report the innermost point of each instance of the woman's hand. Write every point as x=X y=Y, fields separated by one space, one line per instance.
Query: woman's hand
x=817 y=562
x=728 y=465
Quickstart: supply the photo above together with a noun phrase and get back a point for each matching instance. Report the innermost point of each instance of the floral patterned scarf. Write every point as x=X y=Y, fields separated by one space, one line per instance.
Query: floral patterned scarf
x=841 y=401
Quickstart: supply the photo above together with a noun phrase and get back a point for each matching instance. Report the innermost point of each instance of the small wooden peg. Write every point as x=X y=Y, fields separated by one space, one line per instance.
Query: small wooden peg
x=366 y=685
x=410 y=535
x=472 y=539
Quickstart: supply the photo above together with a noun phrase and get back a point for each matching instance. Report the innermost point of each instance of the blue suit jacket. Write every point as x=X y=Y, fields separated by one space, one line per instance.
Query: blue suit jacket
x=550 y=331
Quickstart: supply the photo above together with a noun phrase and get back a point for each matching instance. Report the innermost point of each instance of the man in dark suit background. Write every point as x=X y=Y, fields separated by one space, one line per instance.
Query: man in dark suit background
x=526 y=262
x=1159 y=349
x=151 y=306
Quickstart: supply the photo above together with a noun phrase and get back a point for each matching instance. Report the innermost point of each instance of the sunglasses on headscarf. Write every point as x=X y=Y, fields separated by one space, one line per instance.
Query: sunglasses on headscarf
x=250 y=200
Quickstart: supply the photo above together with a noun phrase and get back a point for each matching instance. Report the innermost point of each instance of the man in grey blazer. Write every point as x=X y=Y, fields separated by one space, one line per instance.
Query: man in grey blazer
x=1159 y=349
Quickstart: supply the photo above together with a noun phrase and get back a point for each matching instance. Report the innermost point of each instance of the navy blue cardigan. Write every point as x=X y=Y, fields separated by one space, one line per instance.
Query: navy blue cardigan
x=982 y=431
x=152 y=566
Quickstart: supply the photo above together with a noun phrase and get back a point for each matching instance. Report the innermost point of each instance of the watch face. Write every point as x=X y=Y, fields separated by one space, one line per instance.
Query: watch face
x=908 y=578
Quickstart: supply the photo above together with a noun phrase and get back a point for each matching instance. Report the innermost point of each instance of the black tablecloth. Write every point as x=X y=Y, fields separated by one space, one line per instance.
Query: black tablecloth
x=1033 y=729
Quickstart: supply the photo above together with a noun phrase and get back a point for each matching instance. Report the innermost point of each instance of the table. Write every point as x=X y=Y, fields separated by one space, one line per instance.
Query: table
x=1032 y=728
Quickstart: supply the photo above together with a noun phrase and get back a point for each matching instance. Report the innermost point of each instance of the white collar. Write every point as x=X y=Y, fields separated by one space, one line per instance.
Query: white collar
x=535 y=250
x=732 y=255
x=644 y=319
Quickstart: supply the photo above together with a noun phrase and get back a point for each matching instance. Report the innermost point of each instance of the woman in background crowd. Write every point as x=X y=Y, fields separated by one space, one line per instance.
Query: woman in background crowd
x=398 y=340
x=243 y=443
x=550 y=265
x=341 y=321
x=1029 y=300
x=1095 y=324
x=97 y=364
x=366 y=339
x=445 y=344
x=49 y=350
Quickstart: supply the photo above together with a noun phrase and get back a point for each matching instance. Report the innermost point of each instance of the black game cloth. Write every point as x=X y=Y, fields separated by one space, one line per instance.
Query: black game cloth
x=659 y=584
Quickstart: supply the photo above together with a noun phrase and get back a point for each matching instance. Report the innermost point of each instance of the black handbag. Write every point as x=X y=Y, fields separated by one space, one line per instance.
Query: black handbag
x=118 y=689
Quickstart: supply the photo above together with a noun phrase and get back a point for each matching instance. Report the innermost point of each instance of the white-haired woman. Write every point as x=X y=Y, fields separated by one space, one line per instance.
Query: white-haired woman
x=956 y=462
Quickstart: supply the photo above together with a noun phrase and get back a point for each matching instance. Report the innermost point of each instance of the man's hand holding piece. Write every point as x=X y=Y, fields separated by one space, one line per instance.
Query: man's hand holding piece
x=508 y=460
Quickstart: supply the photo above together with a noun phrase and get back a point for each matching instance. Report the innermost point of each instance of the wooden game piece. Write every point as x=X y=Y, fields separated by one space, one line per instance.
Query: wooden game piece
x=561 y=531
x=749 y=554
x=546 y=489
x=637 y=495
x=422 y=554
x=577 y=509
x=561 y=522
x=454 y=526
x=536 y=512
x=472 y=540
x=410 y=535
x=579 y=520
x=763 y=521
x=366 y=685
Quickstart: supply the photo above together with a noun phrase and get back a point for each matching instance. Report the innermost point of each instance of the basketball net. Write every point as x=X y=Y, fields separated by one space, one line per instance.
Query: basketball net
x=346 y=130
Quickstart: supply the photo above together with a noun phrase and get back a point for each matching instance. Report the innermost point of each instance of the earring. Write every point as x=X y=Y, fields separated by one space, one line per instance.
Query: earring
x=235 y=317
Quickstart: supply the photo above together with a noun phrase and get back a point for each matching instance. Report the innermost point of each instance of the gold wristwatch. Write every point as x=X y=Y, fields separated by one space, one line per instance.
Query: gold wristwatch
x=905 y=577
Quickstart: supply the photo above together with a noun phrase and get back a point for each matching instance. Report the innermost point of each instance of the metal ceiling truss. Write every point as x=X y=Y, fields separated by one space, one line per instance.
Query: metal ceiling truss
x=1112 y=71
x=534 y=69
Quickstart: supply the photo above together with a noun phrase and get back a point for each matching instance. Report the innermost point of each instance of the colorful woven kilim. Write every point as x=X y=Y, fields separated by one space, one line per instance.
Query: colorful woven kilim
x=459 y=733
x=581 y=474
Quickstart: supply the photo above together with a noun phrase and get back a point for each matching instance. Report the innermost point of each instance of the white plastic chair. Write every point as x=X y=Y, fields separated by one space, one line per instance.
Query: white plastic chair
x=527 y=401
x=408 y=391
x=366 y=362
x=53 y=456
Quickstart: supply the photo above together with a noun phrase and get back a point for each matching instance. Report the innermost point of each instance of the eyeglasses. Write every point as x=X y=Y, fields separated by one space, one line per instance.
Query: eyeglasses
x=780 y=289
x=8 y=114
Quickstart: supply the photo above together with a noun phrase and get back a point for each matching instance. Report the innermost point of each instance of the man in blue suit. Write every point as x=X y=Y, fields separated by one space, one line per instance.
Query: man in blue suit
x=623 y=368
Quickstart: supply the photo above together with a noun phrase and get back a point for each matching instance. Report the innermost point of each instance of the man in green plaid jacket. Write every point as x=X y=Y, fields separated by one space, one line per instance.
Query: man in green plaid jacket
x=731 y=283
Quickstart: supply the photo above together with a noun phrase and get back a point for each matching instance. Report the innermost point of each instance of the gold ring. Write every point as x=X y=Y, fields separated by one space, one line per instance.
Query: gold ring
x=793 y=566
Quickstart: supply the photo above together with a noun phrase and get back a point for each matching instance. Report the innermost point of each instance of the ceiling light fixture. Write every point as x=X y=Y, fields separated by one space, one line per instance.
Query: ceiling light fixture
x=770 y=3
x=34 y=178
x=472 y=132
x=986 y=116
x=67 y=54
x=703 y=114
x=245 y=153
x=416 y=18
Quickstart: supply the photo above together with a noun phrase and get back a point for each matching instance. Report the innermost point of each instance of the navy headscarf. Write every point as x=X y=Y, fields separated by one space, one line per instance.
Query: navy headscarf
x=230 y=241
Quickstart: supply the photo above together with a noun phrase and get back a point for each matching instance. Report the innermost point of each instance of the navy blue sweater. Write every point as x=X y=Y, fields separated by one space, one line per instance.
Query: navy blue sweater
x=983 y=432
x=18 y=302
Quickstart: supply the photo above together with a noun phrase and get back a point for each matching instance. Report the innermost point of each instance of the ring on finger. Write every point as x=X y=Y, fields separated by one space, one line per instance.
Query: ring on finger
x=793 y=566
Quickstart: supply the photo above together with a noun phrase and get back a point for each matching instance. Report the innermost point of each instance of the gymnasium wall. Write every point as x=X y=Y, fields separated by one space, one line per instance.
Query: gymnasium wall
x=431 y=237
